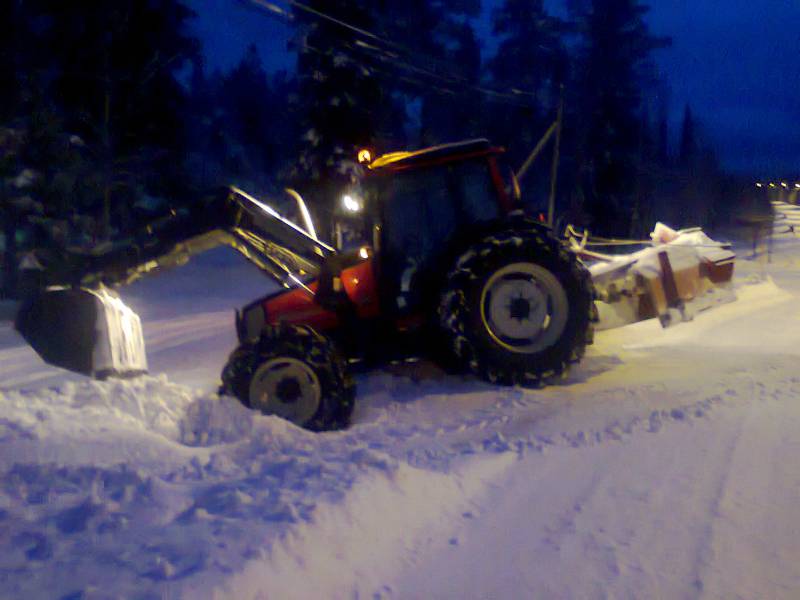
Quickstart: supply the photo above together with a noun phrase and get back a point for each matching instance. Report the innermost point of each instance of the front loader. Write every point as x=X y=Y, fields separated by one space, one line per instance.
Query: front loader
x=435 y=257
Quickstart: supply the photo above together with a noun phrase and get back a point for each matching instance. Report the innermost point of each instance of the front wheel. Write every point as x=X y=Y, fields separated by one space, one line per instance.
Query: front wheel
x=517 y=308
x=294 y=373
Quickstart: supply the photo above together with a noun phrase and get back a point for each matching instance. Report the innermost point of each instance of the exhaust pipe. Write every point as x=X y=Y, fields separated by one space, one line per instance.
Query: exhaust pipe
x=90 y=332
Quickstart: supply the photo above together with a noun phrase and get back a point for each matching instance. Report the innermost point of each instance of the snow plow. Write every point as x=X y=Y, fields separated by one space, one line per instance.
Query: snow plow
x=433 y=256
x=681 y=274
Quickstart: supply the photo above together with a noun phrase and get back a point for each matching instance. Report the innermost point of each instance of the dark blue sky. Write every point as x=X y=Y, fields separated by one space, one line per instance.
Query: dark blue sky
x=736 y=61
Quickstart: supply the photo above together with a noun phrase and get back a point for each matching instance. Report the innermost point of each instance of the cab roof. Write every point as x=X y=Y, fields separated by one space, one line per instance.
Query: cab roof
x=442 y=153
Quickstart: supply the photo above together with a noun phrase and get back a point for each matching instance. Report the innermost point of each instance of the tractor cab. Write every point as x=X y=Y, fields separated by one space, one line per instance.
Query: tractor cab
x=413 y=210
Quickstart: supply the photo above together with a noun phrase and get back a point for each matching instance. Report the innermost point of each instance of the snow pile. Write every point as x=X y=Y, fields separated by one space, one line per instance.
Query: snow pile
x=152 y=479
x=144 y=485
x=685 y=248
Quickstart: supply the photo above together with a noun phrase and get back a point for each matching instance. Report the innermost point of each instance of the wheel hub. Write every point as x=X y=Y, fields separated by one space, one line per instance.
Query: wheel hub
x=288 y=390
x=286 y=387
x=524 y=307
x=519 y=309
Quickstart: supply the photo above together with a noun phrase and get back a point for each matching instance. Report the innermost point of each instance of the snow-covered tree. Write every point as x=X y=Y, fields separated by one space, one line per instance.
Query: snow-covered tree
x=115 y=73
x=336 y=91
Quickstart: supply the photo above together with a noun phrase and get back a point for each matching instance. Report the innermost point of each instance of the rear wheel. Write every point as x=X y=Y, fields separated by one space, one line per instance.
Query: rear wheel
x=517 y=308
x=294 y=373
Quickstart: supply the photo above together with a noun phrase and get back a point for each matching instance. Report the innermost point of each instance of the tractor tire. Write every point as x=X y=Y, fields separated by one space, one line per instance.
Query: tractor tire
x=295 y=373
x=517 y=308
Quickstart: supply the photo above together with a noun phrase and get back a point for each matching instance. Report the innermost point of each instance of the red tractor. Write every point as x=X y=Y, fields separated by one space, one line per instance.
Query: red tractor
x=436 y=258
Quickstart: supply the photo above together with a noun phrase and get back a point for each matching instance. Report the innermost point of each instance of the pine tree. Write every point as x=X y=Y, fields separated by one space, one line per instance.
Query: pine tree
x=13 y=27
x=456 y=114
x=337 y=93
x=116 y=71
x=9 y=211
x=531 y=58
x=616 y=46
x=245 y=99
x=363 y=67
x=447 y=50
x=201 y=119
x=427 y=59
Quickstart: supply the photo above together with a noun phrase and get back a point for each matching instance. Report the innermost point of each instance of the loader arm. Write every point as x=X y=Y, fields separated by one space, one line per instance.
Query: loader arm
x=229 y=217
x=75 y=323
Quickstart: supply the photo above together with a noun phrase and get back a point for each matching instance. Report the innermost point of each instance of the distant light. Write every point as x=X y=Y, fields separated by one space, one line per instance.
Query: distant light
x=784 y=184
x=759 y=184
x=797 y=185
x=364 y=156
x=772 y=185
x=363 y=252
x=351 y=203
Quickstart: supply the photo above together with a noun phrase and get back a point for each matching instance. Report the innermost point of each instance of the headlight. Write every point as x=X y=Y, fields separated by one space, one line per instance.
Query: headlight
x=350 y=203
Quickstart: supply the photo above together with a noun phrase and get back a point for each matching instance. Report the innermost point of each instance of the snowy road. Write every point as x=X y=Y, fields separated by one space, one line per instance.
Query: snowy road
x=665 y=466
x=702 y=505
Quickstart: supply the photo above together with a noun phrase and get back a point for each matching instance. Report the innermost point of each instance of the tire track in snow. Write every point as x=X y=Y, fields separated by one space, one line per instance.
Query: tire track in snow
x=672 y=494
x=722 y=473
x=514 y=424
x=752 y=527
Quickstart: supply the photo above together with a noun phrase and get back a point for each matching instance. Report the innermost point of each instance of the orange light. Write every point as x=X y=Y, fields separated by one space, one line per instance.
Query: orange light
x=364 y=156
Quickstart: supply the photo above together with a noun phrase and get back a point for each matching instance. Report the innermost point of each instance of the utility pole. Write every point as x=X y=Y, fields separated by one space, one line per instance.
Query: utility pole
x=551 y=206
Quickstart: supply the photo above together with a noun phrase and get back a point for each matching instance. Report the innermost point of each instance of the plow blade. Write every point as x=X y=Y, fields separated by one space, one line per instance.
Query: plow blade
x=85 y=331
x=684 y=273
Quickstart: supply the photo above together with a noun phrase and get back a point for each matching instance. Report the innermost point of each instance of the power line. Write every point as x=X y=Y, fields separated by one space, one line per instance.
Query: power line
x=511 y=97
x=445 y=86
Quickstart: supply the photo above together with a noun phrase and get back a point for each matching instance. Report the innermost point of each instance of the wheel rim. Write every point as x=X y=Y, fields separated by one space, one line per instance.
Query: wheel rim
x=286 y=387
x=524 y=308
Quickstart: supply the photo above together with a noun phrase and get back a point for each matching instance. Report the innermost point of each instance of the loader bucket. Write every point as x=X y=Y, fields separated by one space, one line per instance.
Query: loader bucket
x=85 y=331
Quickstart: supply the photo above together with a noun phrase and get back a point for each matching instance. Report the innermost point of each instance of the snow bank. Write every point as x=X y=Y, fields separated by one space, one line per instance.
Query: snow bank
x=350 y=550
x=144 y=485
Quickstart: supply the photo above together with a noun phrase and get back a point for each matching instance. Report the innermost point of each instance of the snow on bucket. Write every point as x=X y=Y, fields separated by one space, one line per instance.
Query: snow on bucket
x=90 y=332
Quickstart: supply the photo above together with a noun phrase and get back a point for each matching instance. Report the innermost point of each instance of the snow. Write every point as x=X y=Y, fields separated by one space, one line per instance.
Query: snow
x=120 y=342
x=685 y=250
x=661 y=467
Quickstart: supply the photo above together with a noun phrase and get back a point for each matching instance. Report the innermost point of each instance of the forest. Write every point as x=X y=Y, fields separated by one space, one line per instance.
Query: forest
x=109 y=114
